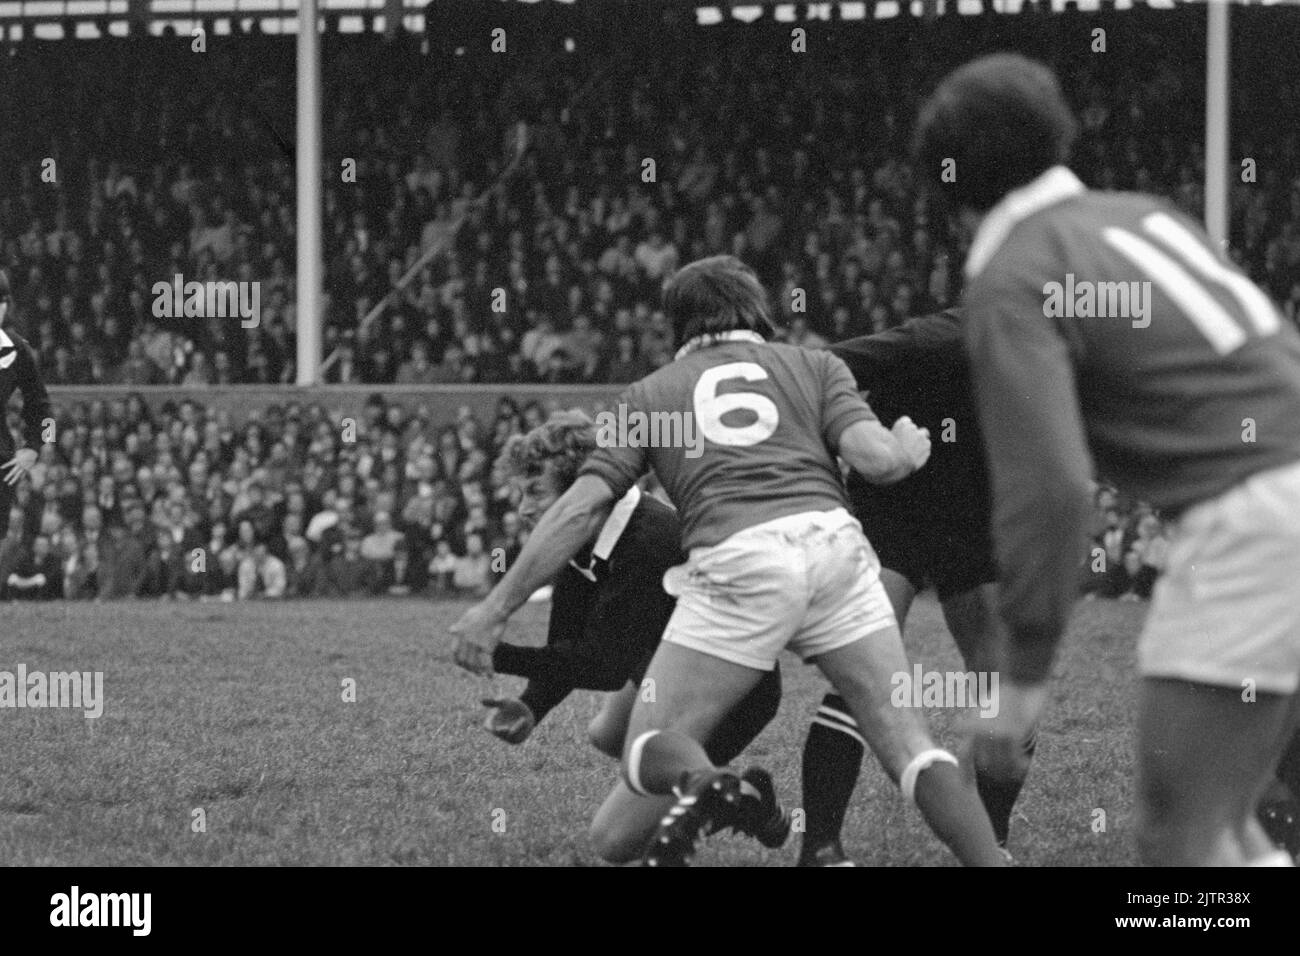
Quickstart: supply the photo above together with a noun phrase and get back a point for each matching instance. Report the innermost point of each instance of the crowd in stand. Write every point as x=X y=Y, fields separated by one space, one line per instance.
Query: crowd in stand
x=167 y=162
x=183 y=503
x=1129 y=548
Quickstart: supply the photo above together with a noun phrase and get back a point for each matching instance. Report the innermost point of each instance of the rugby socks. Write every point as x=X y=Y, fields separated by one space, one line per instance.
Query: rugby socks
x=658 y=760
x=999 y=795
x=832 y=760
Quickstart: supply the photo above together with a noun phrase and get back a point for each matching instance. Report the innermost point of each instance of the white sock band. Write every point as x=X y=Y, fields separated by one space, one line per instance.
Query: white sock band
x=634 y=763
x=907 y=782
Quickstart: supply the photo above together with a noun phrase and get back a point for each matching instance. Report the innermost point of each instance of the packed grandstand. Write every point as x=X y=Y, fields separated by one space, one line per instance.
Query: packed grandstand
x=796 y=165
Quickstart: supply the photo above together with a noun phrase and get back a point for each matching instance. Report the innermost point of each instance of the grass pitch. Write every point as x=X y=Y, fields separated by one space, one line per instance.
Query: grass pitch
x=238 y=711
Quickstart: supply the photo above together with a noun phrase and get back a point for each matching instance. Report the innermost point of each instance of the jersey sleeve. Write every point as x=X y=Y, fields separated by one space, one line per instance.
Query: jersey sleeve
x=619 y=466
x=1038 y=462
x=842 y=406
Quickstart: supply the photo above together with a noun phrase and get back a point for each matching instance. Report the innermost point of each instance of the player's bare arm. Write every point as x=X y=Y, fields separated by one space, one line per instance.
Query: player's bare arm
x=884 y=456
x=574 y=519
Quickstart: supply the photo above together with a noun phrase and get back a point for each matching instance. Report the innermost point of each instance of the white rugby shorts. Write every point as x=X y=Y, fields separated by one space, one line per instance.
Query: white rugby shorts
x=809 y=582
x=1226 y=610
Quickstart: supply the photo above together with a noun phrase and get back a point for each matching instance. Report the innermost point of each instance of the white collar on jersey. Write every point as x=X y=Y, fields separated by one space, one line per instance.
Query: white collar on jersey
x=7 y=343
x=611 y=531
x=735 y=335
x=1051 y=187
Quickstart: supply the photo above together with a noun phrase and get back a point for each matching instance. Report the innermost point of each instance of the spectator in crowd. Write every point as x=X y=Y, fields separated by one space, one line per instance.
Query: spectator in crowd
x=305 y=571
x=122 y=565
x=473 y=571
x=380 y=545
x=164 y=569
x=404 y=574
x=442 y=567
x=1146 y=557
x=38 y=575
x=262 y=574
x=81 y=570
x=626 y=365
x=348 y=574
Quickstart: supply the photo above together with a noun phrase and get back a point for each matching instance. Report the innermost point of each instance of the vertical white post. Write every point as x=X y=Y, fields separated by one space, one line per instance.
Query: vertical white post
x=1216 y=123
x=310 y=257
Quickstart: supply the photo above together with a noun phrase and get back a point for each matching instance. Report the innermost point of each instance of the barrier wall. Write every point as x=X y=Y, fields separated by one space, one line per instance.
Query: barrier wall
x=348 y=400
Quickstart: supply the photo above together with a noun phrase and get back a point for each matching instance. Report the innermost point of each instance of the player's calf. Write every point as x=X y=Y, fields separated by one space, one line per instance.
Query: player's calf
x=625 y=823
x=929 y=777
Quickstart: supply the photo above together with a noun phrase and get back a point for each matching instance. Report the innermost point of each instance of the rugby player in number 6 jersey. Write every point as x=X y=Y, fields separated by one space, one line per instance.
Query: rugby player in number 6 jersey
x=776 y=560
x=1174 y=373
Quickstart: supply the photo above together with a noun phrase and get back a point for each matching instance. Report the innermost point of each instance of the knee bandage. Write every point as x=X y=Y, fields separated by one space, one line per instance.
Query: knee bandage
x=907 y=782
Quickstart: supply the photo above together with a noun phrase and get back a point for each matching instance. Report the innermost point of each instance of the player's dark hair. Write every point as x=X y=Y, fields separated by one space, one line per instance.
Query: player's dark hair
x=565 y=439
x=1002 y=120
x=714 y=295
x=5 y=292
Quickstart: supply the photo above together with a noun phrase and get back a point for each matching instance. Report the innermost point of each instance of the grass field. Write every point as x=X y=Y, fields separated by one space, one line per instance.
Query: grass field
x=238 y=710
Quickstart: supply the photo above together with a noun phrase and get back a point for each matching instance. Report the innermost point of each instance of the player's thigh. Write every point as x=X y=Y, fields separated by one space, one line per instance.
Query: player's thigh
x=847 y=599
x=688 y=691
x=625 y=823
x=976 y=626
x=1204 y=756
x=1225 y=611
x=609 y=727
x=746 y=720
x=901 y=593
x=741 y=600
x=862 y=673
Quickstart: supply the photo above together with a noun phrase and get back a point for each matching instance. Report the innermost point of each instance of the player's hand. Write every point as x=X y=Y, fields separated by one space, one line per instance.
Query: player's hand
x=998 y=740
x=18 y=465
x=914 y=441
x=477 y=634
x=509 y=718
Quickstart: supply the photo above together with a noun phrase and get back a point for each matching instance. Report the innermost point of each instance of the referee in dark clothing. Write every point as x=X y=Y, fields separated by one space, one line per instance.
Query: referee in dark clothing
x=19 y=372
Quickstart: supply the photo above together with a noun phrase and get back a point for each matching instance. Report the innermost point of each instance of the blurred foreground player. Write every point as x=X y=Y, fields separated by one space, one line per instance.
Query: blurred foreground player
x=775 y=558
x=19 y=372
x=1106 y=327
